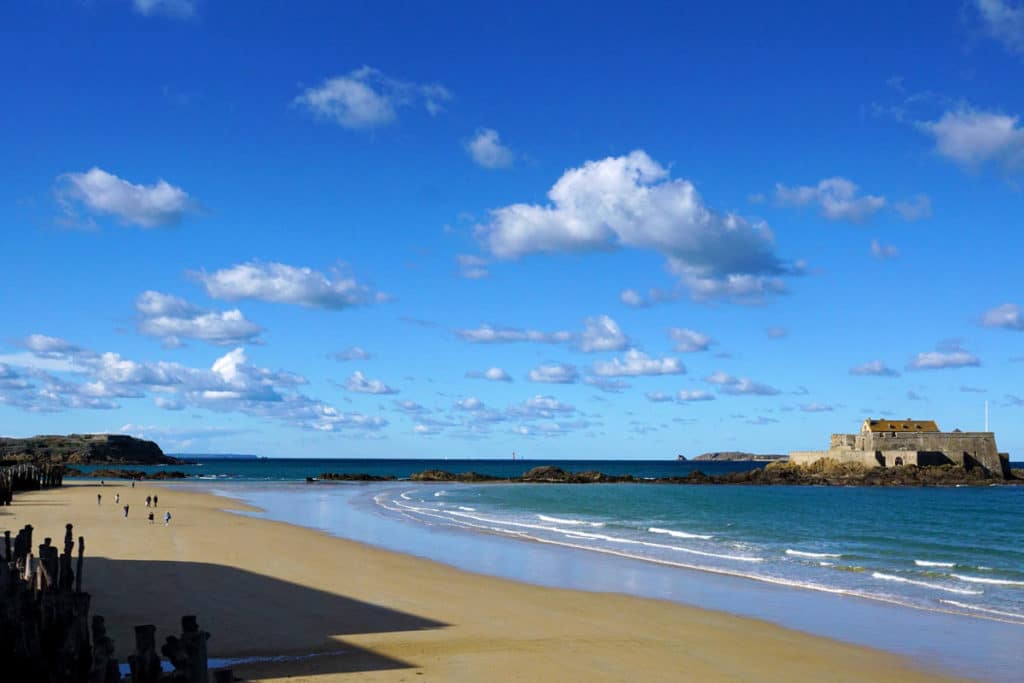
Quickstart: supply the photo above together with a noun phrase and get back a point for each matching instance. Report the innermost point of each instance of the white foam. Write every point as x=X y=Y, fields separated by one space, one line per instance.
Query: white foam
x=995 y=582
x=437 y=494
x=816 y=556
x=570 y=522
x=924 y=584
x=826 y=564
x=678 y=534
x=929 y=563
x=999 y=613
x=467 y=509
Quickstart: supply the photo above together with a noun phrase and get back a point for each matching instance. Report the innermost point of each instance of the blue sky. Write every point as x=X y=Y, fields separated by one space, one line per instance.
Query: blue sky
x=401 y=230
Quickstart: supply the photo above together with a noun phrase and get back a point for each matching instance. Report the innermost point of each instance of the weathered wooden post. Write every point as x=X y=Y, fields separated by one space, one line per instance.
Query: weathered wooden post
x=188 y=653
x=81 y=554
x=224 y=676
x=104 y=664
x=145 y=663
x=7 y=546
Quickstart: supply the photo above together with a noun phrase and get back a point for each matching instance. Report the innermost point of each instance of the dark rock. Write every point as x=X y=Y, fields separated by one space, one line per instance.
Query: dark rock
x=83 y=449
x=335 y=476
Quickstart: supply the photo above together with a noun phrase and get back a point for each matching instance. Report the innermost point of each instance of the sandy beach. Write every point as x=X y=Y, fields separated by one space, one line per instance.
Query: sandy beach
x=266 y=589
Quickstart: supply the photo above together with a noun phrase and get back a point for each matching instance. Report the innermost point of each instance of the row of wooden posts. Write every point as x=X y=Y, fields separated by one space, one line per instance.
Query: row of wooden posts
x=28 y=477
x=46 y=634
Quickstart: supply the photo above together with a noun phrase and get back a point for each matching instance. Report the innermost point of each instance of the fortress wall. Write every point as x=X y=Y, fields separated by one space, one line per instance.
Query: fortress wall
x=806 y=457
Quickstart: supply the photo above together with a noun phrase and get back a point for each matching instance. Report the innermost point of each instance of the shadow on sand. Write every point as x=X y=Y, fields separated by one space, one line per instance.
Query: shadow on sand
x=243 y=612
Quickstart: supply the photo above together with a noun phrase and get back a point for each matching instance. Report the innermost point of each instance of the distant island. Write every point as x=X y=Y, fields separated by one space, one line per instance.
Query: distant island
x=739 y=456
x=83 y=449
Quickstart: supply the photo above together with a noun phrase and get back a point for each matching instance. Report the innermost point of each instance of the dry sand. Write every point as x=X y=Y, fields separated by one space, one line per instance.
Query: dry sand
x=265 y=588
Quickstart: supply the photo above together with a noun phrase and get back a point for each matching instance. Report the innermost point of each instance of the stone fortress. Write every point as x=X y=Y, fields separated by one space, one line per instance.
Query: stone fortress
x=893 y=443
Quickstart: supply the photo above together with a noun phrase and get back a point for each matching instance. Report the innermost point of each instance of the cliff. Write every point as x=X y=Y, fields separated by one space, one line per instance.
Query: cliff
x=737 y=456
x=83 y=449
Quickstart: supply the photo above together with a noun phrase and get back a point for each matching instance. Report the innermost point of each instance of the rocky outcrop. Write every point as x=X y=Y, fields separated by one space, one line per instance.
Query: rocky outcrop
x=821 y=473
x=737 y=456
x=84 y=449
x=344 y=476
x=137 y=475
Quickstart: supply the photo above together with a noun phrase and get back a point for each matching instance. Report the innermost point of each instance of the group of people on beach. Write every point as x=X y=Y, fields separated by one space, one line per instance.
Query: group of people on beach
x=151 y=501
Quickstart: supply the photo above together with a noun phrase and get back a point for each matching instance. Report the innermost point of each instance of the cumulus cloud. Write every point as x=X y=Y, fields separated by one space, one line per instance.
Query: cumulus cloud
x=284 y=284
x=488 y=334
x=915 y=208
x=883 y=252
x=688 y=395
x=973 y=137
x=359 y=384
x=1007 y=316
x=1004 y=22
x=492 y=374
x=557 y=373
x=602 y=334
x=816 y=408
x=179 y=9
x=44 y=345
x=837 y=199
x=739 y=385
x=636 y=363
x=351 y=353
x=99 y=192
x=658 y=396
x=946 y=356
x=172 y=319
x=689 y=341
x=874 y=368
x=366 y=98
x=606 y=384
x=630 y=201
x=487 y=150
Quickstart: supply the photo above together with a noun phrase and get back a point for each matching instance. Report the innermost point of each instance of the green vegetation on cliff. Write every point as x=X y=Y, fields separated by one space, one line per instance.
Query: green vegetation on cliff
x=83 y=449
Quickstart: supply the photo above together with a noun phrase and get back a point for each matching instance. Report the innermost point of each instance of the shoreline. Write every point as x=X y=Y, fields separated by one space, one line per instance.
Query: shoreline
x=298 y=591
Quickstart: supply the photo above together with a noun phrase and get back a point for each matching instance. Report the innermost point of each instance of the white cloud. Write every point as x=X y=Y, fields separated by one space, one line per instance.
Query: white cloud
x=171 y=318
x=366 y=98
x=658 y=396
x=487 y=334
x=147 y=206
x=636 y=363
x=281 y=283
x=915 y=208
x=874 y=368
x=689 y=341
x=631 y=201
x=776 y=332
x=1004 y=22
x=44 y=345
x=740 y=385
x=949 y=356
x=686 y=396
x=352 y=353
x=492 y=374
x=816 y=408
x=358 y=383
x=837 y=198
x=606 y=384
x=883 y=252
x=179 y=9
x=1007 y=316
x=487 y=150
x=602 y=334
x=557 y=373
x=472 y=267
x=972 y=137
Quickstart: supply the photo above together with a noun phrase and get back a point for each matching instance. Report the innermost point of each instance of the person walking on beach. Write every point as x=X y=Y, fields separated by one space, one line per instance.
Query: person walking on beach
x=154 y=501
x=148 y=499
x=133 y=484
x=167 y=518
x=126 y=512
x=99 y=497
x=150 y=516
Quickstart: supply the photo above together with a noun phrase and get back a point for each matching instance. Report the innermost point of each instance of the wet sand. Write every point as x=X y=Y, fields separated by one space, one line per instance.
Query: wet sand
x=267 y=589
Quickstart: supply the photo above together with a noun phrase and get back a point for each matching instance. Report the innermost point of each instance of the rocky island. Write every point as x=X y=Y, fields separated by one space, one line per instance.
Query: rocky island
x=739 y=456
x=83 y=449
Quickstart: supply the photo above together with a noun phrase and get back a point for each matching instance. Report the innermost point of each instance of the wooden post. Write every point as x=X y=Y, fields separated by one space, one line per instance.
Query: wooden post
x=78 y=574
x=145 y=663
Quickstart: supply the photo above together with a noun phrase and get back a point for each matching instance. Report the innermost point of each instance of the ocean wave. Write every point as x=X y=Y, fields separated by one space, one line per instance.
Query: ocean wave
x=986 y=610
x=815 y=556
x=438 y=494
x=924 y=584
x=995 y=582
x=678 y=534
x=929 y=563
x=467 y=509
x=570 y=522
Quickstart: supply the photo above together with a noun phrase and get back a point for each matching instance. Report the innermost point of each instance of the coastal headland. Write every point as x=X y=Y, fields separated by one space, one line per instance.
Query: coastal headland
x=340 y=610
